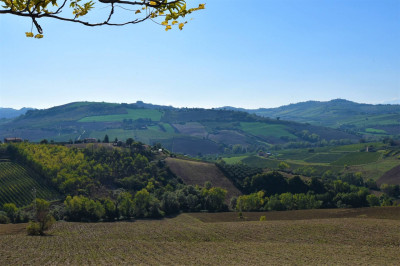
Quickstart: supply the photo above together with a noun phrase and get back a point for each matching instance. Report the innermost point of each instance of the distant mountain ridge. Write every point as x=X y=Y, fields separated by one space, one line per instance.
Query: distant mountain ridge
x=338 y=113
x=11 y=113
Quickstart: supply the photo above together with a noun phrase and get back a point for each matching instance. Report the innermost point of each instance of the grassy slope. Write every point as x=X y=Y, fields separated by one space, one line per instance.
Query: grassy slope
x=133 y=114
x=266 y=130
x=186 y=240
x=197 y=173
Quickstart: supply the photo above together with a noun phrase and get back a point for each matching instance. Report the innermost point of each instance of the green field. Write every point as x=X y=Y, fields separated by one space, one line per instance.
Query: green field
x=207 y=239
x=260 y=162
x=17 y=182
x=356 y=158
x=233 y=160
x=375 y=131
x=266 y=130
x=324 y=157
x=357 y=147
x=133 y=114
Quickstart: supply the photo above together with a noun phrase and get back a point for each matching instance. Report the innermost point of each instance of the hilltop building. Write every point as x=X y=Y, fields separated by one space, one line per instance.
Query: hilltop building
x=12 y=140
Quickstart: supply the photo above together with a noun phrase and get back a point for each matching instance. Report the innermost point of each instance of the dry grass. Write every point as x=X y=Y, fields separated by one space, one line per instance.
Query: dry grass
x=197 y=173
x=187 y=240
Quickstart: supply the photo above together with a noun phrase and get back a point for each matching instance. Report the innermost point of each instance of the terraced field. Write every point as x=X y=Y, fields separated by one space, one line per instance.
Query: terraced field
x=187 y=240
x=17 y=182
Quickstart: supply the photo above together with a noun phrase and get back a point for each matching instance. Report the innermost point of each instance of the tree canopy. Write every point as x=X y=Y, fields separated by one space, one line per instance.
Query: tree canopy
x=167 y=13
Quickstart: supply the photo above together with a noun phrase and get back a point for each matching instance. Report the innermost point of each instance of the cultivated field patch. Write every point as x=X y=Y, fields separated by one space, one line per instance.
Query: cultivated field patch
x=17 y=182
x=133 y=114
x=185 y=240
x=197 y=173
x=356 y=158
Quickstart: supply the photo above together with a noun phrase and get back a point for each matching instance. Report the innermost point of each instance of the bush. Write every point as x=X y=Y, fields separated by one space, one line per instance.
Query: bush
x=11 y=211
x=33 y=229
x=373 y=200
x=80 y=208
x=263 y=218
x=4 y=218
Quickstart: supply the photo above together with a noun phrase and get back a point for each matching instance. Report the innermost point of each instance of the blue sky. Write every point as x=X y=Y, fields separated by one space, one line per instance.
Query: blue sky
x=232 y=53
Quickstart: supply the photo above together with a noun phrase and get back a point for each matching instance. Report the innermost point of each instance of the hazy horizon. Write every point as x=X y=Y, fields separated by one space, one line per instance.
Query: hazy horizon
x=395 y=102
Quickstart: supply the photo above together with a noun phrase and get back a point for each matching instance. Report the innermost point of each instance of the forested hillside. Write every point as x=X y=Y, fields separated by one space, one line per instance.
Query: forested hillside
x=103 y=182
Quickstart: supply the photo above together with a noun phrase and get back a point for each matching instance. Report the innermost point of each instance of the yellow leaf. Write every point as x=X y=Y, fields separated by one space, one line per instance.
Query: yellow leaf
x=167 y=28
x=202 y=6
x=165 y=23
x=138 y=11
x=181 y=26
x=29 y=34
x=38 y=36
x=152 y=3
x=174 y=22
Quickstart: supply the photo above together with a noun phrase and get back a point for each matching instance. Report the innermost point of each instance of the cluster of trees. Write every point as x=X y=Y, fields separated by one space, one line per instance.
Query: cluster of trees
x=285 y=201
x=144 y=204
x=339 y=195
x=9 y=213
x=272 y=191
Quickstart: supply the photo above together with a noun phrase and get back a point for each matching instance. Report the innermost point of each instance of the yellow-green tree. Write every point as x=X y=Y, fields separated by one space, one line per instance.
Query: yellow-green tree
x=168 y=13
x=43 y=219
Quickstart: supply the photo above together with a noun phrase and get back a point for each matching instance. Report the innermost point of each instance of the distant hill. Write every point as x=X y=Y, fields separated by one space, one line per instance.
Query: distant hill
x=11 y=113
x=189 y=131
x=361 y=118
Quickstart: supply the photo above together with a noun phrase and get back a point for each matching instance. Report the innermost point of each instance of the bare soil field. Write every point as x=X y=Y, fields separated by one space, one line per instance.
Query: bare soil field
x=392 y=213
x=197 y=173
x=10 y=229
x=391 y=177
x=185 y=240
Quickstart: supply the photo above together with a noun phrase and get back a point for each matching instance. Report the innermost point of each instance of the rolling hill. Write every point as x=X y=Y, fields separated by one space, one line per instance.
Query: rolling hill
x=189 y=131
x=367 y=119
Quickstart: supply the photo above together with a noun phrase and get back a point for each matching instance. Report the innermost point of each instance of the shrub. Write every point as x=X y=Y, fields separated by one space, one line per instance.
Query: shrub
x=33 y=229
x=263 y=218
x=44 y=220
x=11 y=211
x=373 y=200
x=4 y=218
